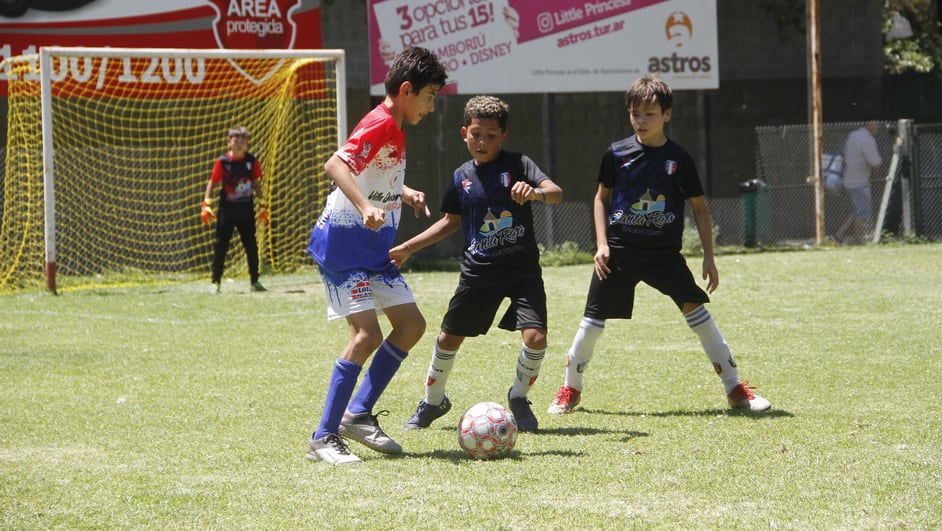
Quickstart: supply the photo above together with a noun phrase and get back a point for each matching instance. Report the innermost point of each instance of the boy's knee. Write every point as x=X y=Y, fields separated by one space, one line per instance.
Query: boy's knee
x=414 y=329
x=447 y=341
x=534 y=338
x=368 y=340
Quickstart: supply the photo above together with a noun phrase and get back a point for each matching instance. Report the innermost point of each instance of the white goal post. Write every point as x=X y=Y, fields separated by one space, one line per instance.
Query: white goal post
x=153 y=120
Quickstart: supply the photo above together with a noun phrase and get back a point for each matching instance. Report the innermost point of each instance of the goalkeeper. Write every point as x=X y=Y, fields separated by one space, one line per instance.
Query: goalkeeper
x=240 y=174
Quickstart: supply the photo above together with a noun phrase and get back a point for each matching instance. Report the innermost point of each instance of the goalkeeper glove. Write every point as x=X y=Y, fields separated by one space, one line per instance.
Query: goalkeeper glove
x=262 y=212
x=206 y=213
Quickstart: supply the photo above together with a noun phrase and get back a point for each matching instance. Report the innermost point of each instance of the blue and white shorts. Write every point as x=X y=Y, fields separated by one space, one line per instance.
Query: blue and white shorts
x=358 y=291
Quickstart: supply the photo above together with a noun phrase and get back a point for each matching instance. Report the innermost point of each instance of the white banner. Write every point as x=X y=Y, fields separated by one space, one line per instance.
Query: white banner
x=509 y=46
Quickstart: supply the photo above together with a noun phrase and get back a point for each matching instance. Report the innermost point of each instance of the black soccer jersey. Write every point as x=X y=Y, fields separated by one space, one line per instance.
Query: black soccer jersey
x=500 y=244
x=649 y=186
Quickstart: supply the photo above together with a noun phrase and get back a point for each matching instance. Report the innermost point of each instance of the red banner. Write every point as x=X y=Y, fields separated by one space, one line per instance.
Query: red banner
x=212 y=24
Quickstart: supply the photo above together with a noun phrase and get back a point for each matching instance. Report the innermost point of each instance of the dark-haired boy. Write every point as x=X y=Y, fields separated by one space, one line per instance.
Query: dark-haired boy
x=489 y=199
x=350 y=244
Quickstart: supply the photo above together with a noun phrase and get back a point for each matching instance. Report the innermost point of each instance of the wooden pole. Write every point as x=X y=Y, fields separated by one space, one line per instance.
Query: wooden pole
x=814 y=107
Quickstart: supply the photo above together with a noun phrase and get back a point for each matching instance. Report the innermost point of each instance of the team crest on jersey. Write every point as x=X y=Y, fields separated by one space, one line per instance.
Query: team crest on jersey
x=466 y=185
x=505 y=179
x=670 y=167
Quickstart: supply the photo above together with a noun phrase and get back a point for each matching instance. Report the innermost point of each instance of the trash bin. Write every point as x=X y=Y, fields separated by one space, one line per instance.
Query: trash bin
x=748 y=201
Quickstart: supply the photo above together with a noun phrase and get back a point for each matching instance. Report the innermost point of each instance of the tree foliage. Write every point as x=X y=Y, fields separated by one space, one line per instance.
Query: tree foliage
x=919 y=54
x=922 y=52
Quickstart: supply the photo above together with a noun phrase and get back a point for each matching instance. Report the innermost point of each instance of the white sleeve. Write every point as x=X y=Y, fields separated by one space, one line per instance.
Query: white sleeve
x=871 y=153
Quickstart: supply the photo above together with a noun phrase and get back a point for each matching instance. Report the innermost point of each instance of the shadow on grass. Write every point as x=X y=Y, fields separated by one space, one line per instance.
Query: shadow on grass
x=578 y=430
x=458 y=456
x=568 y=430
x=772 y=413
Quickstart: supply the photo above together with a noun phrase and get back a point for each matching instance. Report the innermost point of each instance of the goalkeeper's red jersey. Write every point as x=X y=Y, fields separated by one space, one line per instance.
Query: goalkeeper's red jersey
x=236 y=176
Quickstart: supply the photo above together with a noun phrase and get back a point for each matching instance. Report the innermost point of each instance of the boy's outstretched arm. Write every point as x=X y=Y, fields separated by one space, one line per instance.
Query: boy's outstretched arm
x=340 y=173
x=439 y=230
x=701 y=216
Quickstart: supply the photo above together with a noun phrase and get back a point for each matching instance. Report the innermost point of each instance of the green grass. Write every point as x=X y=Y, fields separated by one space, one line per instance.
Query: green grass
x=161 y=406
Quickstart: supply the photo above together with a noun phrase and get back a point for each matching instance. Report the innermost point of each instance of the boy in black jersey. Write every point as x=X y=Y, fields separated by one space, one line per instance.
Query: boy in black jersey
x=638 y=213
x=240 y=175
x=488 y=200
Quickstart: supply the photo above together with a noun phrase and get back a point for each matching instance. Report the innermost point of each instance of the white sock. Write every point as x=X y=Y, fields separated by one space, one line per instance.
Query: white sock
x=702 y=324
x=580 y=353
x=438 y=371
x=528 y=369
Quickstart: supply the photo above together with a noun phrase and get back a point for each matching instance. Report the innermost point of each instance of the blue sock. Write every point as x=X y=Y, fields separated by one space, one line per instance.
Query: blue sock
x=386 y=362
x=342 y=382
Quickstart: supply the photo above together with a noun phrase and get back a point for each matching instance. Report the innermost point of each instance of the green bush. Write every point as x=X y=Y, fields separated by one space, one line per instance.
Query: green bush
x=563 y=254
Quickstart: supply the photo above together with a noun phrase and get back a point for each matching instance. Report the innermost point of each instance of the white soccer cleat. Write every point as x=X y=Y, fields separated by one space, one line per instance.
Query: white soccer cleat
x=330 y=449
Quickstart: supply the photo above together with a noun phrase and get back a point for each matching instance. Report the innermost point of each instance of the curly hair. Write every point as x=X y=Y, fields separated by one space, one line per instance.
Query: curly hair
x=487 y=107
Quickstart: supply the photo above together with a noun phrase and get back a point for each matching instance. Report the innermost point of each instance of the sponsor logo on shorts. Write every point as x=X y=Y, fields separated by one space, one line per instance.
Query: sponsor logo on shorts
x=361 y=291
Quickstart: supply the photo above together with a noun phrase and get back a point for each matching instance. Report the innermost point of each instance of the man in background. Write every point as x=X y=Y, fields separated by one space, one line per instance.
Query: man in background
x=860 y=158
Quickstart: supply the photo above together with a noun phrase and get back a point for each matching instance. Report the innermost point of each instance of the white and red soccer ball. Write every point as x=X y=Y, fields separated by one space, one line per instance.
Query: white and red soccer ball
x=487 y=431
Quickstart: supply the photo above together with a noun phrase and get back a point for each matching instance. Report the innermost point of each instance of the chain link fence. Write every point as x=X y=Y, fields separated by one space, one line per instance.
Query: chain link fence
x=905 y=191
x=928 y=181
x=777 y=208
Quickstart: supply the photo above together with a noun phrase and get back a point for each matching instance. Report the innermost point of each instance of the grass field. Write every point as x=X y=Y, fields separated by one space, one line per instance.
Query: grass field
x=161 y=406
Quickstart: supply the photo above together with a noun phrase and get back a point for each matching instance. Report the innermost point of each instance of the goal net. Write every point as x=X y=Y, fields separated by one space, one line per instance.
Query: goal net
x=109 y=151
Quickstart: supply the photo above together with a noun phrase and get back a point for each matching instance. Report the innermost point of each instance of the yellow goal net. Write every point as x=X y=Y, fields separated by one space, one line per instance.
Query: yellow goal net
x=109 y=151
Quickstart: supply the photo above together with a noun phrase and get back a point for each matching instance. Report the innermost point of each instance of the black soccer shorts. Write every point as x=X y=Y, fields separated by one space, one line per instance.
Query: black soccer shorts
x=667 y=272
x=471 y=310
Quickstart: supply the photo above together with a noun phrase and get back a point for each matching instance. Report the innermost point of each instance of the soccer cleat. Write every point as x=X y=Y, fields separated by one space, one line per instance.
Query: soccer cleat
x=742 y=397
x=364 y=429
x=566 y=400
x=520 y=407
x=330 y=449
x=215 y=289
x=425 y=413
x=257 y=286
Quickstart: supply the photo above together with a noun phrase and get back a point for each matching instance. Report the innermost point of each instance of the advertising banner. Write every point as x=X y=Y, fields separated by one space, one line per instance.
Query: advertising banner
x=222 y=24
x=510 y=46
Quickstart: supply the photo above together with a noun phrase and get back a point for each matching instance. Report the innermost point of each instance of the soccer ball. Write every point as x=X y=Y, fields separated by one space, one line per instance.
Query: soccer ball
x=487 y=431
